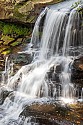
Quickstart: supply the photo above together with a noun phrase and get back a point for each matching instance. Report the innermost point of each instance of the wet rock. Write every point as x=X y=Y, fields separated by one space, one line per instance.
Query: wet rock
x=78 y=64
x=55 y=77
x=49 y=73
x=77 y=71
x=58 y=69
x=54 y=72
x=20 y=59
x=4 y=92
x=50 y=114
x=47 y=109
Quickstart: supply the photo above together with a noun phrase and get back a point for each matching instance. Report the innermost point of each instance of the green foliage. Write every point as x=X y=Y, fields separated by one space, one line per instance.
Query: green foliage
x=8 y=28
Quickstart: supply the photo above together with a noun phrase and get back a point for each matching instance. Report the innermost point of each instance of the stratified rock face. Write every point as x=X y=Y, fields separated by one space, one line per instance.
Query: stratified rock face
x=25 y=11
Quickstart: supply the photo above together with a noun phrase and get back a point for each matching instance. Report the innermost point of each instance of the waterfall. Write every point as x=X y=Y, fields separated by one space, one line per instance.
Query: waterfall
x=55 y=46
x=51 y=33
x=35 y=34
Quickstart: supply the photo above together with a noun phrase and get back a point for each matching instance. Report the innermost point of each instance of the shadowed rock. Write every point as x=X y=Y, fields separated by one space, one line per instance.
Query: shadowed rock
x=77 y=71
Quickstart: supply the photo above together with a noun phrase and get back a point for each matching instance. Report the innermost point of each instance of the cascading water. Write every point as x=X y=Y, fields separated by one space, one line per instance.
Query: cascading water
x=55 y=47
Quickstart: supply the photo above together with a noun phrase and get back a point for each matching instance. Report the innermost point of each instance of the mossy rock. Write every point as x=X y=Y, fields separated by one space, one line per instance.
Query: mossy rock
x=16 y=43
x=8 y=51
x=21 y=10
x=28 y=11
x=6 y=39
x=31 y=19
x=26 y=8
x=2 y=48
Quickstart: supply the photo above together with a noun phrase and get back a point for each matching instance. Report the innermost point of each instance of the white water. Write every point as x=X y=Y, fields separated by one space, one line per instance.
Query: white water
x=51 y=33
x=31 y=83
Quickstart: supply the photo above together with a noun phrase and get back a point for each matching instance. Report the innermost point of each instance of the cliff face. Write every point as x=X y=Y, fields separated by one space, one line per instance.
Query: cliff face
x=25 y=11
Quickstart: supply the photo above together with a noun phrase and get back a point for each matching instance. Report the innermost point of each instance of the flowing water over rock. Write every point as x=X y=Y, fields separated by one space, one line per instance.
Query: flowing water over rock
x=56 y=42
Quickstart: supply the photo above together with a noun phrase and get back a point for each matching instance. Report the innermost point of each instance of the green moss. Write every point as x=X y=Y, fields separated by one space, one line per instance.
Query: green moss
x=8 y=28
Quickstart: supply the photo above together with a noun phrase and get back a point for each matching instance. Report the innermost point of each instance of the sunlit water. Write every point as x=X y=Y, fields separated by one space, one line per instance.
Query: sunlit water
x=55 y=47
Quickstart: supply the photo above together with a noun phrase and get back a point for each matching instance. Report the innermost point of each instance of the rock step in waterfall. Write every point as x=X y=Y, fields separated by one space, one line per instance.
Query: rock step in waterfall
x=56 y=42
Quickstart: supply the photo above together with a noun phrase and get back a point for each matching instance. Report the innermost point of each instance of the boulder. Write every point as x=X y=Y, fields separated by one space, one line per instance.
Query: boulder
x=55 y=113
x=25 y=11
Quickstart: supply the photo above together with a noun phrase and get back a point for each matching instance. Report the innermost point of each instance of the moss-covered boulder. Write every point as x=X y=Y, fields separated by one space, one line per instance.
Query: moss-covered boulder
x=25 y=11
